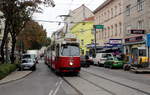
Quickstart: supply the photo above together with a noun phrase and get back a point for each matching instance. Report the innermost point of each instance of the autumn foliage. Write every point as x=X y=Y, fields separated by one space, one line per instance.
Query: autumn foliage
x=32 y=37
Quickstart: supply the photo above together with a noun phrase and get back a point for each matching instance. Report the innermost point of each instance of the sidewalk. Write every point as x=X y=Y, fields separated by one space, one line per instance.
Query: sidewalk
x=15 y=76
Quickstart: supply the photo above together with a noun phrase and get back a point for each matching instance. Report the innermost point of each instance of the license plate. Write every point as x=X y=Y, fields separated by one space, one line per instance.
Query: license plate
x=26 y=67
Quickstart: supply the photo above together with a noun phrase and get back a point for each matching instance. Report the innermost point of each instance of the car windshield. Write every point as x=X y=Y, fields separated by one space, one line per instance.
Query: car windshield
x=26 y=56
x=117 y=59
x=26 y=61
x=106 y=55
x=70 y=50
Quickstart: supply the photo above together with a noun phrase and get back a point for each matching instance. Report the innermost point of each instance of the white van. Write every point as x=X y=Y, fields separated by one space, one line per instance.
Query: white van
x=101 y=58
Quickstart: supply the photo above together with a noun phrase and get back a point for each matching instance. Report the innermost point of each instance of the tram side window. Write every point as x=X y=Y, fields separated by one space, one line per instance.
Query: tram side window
x=57 y=50
x=142 y=52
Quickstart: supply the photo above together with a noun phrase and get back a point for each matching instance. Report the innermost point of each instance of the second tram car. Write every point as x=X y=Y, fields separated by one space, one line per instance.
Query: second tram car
x=64 y=56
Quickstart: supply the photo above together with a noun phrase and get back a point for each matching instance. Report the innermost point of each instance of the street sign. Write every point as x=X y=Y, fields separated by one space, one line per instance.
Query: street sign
x=137 y=31
x=148 y=40
x=115 y=41
x=99 y=26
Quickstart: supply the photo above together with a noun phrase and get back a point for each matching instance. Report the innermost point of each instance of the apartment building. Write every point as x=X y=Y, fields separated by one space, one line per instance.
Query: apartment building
x=84 y=34
x=110 y=15
x=75 y=16
x=136 y=23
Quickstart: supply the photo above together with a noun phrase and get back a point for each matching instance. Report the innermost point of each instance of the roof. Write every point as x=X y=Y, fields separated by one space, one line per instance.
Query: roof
x=73 y=11
x=89 y=19
x=102 y=6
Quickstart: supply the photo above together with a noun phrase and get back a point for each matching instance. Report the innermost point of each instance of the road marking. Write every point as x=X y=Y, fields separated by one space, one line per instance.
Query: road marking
x=50 y=93
x=56 y=83
x=55 y=92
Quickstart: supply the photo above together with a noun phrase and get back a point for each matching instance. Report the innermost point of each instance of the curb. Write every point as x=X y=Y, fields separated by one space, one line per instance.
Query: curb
x=15 y=79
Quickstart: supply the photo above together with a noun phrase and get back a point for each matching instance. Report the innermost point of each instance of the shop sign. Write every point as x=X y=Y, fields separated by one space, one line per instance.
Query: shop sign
x=148 y=40
x=137 y=31
x=115 y=41
x=134 y=39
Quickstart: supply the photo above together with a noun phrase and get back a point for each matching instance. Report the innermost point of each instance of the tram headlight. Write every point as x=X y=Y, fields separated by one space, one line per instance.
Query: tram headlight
x=71 y=63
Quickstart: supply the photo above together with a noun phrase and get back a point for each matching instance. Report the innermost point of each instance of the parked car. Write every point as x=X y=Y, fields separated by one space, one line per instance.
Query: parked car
x=114 y=62
x=84 y=61
x=30 y=56
x=101 y=58
x=28 y=64
x=90 y=60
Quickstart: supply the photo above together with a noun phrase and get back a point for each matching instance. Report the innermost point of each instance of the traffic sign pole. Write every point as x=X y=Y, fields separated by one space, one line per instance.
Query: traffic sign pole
x=95 y=39
x=97 y=27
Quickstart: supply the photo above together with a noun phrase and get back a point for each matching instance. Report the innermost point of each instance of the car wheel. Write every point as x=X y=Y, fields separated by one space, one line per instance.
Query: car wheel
x=111 y=67
x=33 y=68
x=19 y=69
x=105 y=66
x=126 y=67
x=99 y=64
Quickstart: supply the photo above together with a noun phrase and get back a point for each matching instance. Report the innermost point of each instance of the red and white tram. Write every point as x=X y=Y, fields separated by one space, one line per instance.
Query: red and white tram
x=64 y=56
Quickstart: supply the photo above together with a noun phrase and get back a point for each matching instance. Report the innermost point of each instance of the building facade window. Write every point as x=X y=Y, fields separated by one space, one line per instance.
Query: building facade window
x=101 y=18
x=108 y=31
x=111 y=30
x=120 y=28
x=140 y=5
x=112 y=13
x=140 y=24
x=128 y=10
x=82 y=42
x=105 y=16
x=120 y=9
x=116 y=9
x=128 y=28
x=116 y=28
x=104 y=33
x=92 y=40
x=108 y=14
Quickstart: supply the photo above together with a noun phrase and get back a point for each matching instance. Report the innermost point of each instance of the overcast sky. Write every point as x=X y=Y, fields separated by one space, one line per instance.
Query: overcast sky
x=62 y=8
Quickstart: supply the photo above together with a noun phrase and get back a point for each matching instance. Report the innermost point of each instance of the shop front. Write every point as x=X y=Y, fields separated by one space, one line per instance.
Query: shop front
x=135 y=47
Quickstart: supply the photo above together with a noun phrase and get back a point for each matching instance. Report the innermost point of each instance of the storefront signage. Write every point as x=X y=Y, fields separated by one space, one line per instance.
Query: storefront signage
x=115 y=41
x=137 y=31
x=134 y=39
x=148 y=40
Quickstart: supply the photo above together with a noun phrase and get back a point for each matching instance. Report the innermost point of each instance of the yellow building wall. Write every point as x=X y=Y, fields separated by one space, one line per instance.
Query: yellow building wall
x=83 y=31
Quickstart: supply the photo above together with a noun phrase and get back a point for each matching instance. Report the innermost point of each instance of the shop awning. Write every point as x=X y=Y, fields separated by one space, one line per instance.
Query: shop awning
x=133 y=43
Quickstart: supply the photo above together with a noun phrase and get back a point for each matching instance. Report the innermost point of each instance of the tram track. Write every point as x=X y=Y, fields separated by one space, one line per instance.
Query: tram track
x=136 y=89
x=105 y=89
x=79 y=92
x=112 y=93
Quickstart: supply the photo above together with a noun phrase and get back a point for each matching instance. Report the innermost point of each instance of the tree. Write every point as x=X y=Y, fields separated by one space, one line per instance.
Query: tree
x=17 y=13
x=33 y=36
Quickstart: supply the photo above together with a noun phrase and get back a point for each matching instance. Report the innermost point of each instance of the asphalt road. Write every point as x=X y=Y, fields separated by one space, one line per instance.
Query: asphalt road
x=91 y=81
x=103 y=81
x=40 y=82
x=141 y=78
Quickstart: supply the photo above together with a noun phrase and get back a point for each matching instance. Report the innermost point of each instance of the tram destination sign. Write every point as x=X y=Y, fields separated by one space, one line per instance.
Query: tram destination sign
x=137 y=31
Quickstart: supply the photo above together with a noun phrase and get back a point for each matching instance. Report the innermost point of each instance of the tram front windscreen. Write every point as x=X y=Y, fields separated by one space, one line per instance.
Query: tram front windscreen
x=70 y=50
